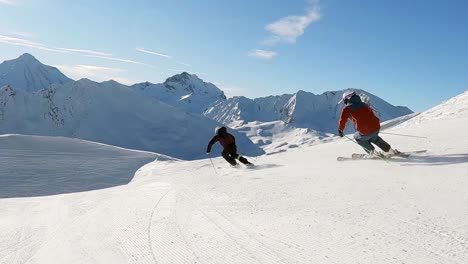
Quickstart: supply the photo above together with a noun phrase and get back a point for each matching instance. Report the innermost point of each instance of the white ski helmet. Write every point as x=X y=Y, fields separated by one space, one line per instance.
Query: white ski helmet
x=346 y=95
x=220 y=130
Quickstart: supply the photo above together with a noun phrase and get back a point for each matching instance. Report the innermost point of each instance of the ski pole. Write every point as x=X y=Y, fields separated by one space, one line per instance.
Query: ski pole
x=401 y=135
x=213 y=166
x=368 y=151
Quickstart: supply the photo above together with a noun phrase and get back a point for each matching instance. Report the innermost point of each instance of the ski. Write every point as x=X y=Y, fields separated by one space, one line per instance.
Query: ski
x=247 y=166
x=360 y=156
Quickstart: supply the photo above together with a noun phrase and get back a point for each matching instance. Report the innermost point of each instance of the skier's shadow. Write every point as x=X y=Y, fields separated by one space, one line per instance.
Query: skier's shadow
x=435 y=160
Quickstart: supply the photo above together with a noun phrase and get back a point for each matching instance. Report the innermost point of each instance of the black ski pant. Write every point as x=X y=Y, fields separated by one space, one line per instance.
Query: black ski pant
x=366 y=141
x=230 y=155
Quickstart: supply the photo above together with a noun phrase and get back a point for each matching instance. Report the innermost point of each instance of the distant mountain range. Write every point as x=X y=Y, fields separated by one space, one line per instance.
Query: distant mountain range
x=302 y=110
x=175 y=118
x=184 y=91
x=106 y=112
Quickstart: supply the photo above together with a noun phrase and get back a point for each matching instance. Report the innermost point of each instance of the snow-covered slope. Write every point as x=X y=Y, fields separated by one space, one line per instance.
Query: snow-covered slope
x=27 y=73
x=451 y=109
x=303 y=109
x=56 y=165
x=185 y=91
x=299 y=206
x=110 y=113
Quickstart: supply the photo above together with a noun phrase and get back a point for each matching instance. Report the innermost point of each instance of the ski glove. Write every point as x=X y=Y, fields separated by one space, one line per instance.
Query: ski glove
x=340 y=133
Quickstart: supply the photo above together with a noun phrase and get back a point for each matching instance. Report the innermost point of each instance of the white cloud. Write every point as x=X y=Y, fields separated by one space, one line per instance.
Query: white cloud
x=118 y=59
x=153 y=53
x=8 y=2
x=92 y=52
x=81 y=52
x=288 y=29
x=96 y=73
x=27 y=43
x=262 y=54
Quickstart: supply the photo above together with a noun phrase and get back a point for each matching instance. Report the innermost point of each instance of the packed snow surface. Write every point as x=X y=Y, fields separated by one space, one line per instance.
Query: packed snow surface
x=298 y=206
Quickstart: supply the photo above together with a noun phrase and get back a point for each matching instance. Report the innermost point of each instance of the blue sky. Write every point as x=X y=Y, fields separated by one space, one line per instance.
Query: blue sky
x=411 y=53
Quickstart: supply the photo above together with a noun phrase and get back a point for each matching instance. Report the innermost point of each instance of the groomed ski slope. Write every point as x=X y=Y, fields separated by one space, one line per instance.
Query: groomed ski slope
x=299 y=206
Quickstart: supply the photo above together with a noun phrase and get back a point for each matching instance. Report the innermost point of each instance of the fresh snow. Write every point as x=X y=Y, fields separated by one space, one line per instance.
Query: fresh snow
x=298 y=206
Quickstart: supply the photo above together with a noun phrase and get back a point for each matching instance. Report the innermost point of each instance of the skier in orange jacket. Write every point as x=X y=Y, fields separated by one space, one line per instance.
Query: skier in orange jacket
x=366 y=123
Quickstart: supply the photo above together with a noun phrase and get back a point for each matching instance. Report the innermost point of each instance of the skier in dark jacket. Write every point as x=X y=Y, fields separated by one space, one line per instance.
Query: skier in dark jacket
x=366 y=123
x=229 y=144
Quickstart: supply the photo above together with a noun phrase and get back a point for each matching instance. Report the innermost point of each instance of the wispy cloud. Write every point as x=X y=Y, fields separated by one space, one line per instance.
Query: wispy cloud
x=27 y=43
x=117 y=59
x=8 y=2
x=162 y=55
x=262 y=54
x=288 y=29
x=82 y=51
x=153 y=53
x=96 y=73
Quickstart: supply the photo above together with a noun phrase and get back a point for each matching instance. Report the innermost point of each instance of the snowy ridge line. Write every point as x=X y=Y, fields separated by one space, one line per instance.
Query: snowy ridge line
x=84 y=141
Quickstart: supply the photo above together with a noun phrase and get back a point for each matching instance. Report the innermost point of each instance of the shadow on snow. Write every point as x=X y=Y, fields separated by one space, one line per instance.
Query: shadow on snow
x=434 y=160
x=27 y=174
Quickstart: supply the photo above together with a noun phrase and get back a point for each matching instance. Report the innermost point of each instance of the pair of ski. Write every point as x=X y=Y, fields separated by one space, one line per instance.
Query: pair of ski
x=247 y=166
x=358 y=156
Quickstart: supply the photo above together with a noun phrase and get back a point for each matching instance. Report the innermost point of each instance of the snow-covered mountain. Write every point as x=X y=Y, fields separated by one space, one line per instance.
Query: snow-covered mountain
x=184 y=91
x=269 y=121
x=28 y=74
x=109 y=113
x=302 y=109
x=240 y=108
x=298 y=206
x=277 y=136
